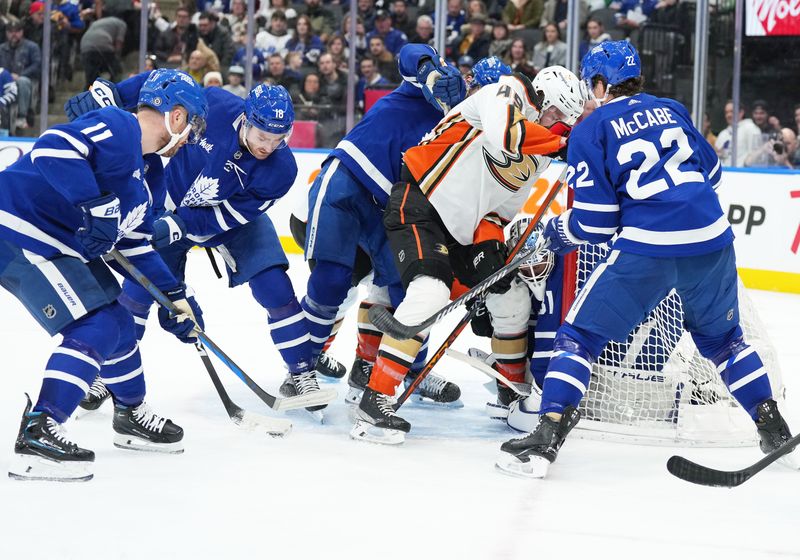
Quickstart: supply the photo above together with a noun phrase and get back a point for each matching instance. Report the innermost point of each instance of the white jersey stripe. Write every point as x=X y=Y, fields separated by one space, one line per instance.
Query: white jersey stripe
x=683 y=237
x=77 y=355
x=66 y=293
x=220 y=218
x=312 y=232
x=566 y=378
x=351 y=150
x=595 y=207
x=287 y=321
x=587 y=287
x=294 y=342
x=125 y=357
x=236 y=215
x=29 y=230
x=136 y=251
x=68 y=378
x=747 y=379
x=53 y=153
x=122 y=378
x=79 y=146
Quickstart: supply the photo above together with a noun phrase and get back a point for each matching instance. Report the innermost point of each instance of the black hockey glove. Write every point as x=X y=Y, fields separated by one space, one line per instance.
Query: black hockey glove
x=482 y=322
x=488 y=257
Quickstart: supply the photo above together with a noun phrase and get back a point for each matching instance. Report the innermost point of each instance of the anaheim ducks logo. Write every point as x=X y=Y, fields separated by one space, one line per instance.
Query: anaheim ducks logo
x=513 y=172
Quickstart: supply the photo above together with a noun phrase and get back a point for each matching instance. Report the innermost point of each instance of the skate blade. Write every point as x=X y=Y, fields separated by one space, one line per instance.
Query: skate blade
x=252 y=422
x=496 y=411
x=535 y=467
x=425 y=401
x=81 y=413
x=316 y=398
x=32 y=467
x=364 y=431
x=126 y=441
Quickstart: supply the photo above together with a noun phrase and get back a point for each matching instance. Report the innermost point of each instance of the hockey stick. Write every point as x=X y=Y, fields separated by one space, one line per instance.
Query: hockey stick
x=514 y=258
x=383 y=319
x=487 y=370
x=323 y=396
x=698 y=474
x=277 y=427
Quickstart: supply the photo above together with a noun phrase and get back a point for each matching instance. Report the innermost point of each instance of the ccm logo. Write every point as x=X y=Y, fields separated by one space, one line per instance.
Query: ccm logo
x=753 y=217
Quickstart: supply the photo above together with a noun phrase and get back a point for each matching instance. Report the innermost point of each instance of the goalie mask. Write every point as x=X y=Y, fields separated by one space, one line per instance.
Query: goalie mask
x=535 y=270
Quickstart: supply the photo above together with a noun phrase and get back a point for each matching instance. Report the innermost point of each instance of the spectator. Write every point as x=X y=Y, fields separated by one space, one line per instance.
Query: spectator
x=456 y=18
x=521 y=14
x=23 y=59
x=708 y=134
x=279 y=75
x=366 y=11
x=393 y=39
x=386 y=62
x=501 y=41
x=400 y=19
x=259 y=62
x=551 y=50
x=236 y=22
x=32 y=25
x=370 y=77
x=283 y=5
x=101 y=48
x=274 y=39
x=333 y=83
x=174 y=45
x=307 y=101
x=518 y=59
x=202 y=61
x=476 y=42
x=465 y=64
x=294 y=62
x=778 y=151
x=423 y=33
x=235 y=83
x=336 y=48
x=68 y=16
x=748 y=137
x=555 y=11
x=216 y=38
x=8 y=98
x=212 y=79
x=595 y=34
x=761 y=117
x=150 y=63
x=477 y=8
x=321 y=19
x=305 y=41
x=361 y=36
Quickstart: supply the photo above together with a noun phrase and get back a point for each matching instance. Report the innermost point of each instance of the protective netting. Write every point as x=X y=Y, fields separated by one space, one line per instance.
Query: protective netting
x=656 y=388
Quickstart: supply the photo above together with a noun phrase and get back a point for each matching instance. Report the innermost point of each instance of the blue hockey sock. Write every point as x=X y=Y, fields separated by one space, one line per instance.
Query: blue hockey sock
x=421 y=359
x=746 y=379
x=70 y=372
x=289 y=328
x=565 y=382
x=327 y=289
x=137 y=301
x=122 y=374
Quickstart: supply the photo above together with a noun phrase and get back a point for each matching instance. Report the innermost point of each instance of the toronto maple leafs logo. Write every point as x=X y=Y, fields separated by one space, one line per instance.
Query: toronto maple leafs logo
x=132 y=220
x=203 y=192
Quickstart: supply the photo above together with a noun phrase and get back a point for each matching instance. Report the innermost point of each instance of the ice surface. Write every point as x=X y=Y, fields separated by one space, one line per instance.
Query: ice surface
x=234 y=494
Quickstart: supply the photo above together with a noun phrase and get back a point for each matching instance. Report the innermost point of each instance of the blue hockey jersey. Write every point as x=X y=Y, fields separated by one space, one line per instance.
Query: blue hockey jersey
x=372 y=151
x=70 y=164
x=216 y=184
x=641 y=170
x=544 y=322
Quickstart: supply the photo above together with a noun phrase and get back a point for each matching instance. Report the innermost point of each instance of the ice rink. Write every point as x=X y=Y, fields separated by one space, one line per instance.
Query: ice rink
x=317 y=494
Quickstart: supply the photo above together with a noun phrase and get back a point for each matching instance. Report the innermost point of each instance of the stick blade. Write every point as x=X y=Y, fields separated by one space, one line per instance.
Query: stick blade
x=385 y=322
x=323 y=396
x=698 y=474
x=250 y=421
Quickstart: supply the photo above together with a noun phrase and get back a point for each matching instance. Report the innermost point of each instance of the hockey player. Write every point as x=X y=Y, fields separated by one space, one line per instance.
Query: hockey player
x=467 y=179
x=219 y=191
x=487 y=71
x=642 y=172
x=347 y=200
x=79 y=193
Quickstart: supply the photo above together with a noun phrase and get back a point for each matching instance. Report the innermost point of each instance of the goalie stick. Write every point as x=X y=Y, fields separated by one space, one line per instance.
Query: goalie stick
x=383 y=319
x=486 y=369
x=698 y=474
x=276 y=427
x=323 y=396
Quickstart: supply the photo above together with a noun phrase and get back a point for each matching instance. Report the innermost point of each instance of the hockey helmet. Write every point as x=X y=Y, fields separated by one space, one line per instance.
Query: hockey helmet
x=555 y=86
x=166 y=89
x=269 y=108
x=535 y=270
x=488 y=71
x=616 y=61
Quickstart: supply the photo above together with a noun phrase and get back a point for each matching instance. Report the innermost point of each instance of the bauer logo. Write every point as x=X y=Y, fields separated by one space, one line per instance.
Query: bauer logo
x=49 y=311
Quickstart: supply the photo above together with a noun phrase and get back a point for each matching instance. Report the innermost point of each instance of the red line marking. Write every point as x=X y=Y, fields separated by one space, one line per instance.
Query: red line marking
x=796 y=242
x=794 y=194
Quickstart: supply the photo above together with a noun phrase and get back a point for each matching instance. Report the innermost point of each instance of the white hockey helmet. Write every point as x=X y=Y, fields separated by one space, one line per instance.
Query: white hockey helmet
x=555 y=86
x=535 y=270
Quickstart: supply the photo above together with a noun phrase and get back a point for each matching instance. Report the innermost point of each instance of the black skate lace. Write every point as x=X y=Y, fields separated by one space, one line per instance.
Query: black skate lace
x=328 y=361
x=433 y=384
x=305 y=383
x=148 y=419
x=385 y=404
x=58 y=432
x=98 y=388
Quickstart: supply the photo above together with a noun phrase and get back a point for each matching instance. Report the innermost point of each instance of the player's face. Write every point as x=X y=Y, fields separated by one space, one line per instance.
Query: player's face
x=551 y=116
x=261 y=143
x=178 y=122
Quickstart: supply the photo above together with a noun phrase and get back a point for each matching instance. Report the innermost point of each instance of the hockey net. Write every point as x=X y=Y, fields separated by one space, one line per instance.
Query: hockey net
x=655 y=387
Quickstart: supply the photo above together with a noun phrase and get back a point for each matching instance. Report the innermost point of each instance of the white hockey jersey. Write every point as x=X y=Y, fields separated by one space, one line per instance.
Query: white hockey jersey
x=482 y=159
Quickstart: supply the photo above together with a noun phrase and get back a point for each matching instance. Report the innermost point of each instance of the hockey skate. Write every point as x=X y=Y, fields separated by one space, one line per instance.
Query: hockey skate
x=94 y=399
x=530 y=456
x=303 y=384
x=140 y=429
x=43 y=452
x=773 y=432
x=357 y=380
x=506 y=396
x=435 y=390
x=328 y=367
x=376 y=420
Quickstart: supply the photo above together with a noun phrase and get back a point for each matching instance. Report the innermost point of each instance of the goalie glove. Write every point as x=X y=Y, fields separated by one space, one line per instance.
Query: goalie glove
x=557 y=236
x=102 y=93
x=442 y=85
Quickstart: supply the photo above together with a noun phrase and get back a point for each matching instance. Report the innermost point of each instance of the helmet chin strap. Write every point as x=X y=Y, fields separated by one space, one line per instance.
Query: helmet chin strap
x=245 y=129
x=173 y=138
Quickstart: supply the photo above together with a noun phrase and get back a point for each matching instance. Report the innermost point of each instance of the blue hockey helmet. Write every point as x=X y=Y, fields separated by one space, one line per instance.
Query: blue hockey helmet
x=269 y=108
x=616 y=61
x=166 y=89
x=488 y=71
